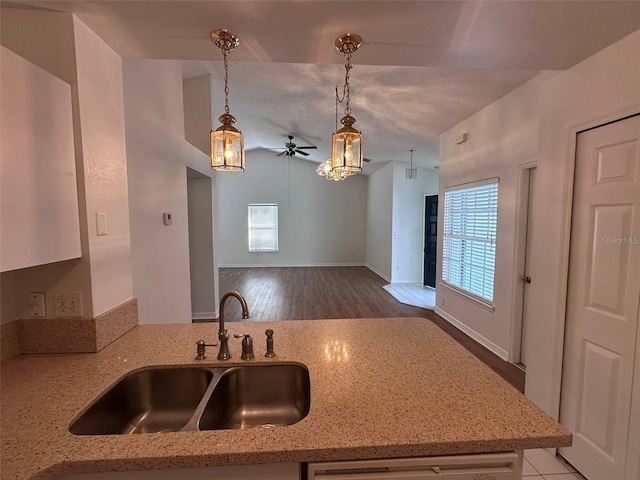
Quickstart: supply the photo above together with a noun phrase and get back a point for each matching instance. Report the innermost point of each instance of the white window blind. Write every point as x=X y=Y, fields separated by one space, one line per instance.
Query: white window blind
x=263 y=227
x=469 y=239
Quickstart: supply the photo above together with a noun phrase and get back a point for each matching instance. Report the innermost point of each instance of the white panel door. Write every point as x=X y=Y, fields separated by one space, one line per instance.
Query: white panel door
x=602 y=300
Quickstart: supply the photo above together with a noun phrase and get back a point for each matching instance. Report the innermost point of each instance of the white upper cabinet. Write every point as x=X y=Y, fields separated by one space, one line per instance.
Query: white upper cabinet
x=39 y=194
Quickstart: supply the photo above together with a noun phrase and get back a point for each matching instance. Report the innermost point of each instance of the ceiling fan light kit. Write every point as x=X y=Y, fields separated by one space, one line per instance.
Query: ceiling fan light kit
x=227 y=142
x=325 y=170
x=290 y=149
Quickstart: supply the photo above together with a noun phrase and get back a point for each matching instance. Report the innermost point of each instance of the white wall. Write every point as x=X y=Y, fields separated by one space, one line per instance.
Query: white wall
x=379 y=221
x=502 y=137
x=105 y=167
x=408 y=222
x=157 y=155
x=602 y=88
x=198 y=112
x=538 y=123
x=320 y=222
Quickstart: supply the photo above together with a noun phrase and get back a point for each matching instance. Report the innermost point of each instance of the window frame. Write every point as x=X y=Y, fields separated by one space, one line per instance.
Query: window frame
x=463 y=282
x=251 y=243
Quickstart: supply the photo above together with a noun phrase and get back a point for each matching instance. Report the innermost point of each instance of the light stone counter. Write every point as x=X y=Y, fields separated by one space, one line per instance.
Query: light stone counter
x=400 y=387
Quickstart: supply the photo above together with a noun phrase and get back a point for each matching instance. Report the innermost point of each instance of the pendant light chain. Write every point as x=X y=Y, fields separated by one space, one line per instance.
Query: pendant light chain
x=225 y=55
x=337 y=100
x=348 y=66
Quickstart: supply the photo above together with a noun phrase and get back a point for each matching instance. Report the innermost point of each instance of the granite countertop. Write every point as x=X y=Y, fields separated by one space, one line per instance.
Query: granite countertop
x=380 y=388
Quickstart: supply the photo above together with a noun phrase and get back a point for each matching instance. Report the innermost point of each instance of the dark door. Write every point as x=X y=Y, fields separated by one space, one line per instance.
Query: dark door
x=430 y=242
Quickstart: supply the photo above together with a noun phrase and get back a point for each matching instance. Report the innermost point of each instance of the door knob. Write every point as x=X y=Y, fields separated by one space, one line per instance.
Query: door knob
x=526 y=279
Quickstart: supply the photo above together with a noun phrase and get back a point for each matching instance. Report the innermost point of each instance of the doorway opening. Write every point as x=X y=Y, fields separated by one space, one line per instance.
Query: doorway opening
x=430 y=240
x=525 y=229
x=203 y=270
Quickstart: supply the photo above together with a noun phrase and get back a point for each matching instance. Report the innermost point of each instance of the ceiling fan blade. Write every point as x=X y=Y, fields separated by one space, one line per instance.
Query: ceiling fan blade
x=281 y=153
x=311 y=146
x=302 y=153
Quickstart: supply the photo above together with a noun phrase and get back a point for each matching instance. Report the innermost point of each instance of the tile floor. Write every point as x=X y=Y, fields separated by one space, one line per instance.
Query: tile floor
x=414 y=294
x=539 y=464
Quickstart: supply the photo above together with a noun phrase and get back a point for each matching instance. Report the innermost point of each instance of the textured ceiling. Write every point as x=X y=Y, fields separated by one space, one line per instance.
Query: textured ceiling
x=423 y=67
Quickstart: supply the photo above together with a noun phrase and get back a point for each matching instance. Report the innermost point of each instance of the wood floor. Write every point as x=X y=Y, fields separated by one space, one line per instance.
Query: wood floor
x=308 y=293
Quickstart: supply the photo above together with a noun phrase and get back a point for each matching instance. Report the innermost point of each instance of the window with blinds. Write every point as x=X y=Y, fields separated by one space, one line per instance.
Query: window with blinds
x=263 y=227
x=469 y=238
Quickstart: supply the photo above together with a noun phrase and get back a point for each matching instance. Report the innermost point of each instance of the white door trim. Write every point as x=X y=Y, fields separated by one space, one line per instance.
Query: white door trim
x=522 y=216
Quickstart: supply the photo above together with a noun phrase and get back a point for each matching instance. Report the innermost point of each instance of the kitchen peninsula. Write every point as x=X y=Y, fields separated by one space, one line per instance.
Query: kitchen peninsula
x=380 y=388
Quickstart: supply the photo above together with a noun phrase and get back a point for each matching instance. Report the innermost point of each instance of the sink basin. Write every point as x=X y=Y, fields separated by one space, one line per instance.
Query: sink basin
x=156 y=400
x=258 y=396
x=191 y=399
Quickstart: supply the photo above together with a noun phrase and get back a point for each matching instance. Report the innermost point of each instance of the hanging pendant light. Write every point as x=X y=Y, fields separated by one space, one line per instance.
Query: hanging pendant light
x=346 y=149
x=325 y=170
x=411 y=173
x=227 y=142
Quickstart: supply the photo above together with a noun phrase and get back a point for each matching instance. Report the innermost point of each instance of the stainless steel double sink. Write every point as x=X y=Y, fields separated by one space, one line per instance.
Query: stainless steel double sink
x=178 y=399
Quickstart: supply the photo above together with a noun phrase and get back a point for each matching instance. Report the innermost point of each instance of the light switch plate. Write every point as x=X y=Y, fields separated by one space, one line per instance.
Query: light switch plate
x=101 y=224
x=36 y=305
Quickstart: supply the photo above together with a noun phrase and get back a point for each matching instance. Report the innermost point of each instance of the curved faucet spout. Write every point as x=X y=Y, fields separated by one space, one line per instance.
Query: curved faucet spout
x=223 y=336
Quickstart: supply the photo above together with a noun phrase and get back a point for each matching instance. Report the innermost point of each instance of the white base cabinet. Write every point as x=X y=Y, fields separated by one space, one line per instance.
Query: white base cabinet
x=490 y=466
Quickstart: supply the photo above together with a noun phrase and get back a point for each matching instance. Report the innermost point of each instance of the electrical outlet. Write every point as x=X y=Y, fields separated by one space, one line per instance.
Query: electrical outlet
x=36 y=304
x=442 y=302
x=68 y=305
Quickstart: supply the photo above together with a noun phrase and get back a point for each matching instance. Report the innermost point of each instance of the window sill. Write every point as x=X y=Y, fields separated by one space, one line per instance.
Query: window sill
x=477 y=300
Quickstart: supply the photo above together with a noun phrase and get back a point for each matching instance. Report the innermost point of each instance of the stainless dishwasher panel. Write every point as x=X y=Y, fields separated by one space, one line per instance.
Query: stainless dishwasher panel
x=489 y=466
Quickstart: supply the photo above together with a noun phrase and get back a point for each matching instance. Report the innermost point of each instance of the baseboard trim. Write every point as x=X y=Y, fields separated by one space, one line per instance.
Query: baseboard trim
x=485 y=342
x=380 y=274
x=286 y=265
x=203 y=315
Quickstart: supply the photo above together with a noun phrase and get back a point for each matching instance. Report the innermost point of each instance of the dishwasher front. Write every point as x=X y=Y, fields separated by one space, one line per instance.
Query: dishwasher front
x=486 y=466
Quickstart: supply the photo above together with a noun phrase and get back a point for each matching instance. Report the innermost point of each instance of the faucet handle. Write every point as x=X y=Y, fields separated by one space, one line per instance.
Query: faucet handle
x=270 y=353
x=201 y=345
x=247 y=345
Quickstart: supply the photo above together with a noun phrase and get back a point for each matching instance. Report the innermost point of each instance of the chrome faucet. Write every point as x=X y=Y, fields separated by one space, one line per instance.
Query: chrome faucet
x=223 y=336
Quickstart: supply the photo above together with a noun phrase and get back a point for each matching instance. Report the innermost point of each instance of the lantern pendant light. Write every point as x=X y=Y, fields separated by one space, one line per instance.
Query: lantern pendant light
x=411 y=173
x=346 y=152
x=227 y=142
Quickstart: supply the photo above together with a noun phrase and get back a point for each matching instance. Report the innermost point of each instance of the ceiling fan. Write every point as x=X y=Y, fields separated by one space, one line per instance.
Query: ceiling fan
x=291 y=149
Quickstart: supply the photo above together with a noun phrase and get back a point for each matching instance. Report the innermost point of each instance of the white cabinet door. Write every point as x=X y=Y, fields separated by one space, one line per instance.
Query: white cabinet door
x=489 y=466
x=40 y=221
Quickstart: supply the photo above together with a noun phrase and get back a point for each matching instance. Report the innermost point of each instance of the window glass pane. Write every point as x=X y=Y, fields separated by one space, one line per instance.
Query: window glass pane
x=263 y=228
x=469 y=236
